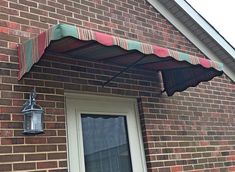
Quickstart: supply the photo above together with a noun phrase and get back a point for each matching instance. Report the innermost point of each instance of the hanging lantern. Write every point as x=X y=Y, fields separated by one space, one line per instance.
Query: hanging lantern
x=33 y=116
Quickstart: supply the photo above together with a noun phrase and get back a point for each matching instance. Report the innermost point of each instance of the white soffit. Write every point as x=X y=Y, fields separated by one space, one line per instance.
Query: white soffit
x=187 y=33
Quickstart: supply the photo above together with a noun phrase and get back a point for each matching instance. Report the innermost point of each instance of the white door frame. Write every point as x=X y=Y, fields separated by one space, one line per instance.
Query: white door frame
x=93 y=104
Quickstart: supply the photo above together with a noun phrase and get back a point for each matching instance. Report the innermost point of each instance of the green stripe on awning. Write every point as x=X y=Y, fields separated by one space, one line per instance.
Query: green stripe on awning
x=68 y=30
x=184 y=57
x=56 y=32
x=29 y=53
x=133 y=45
x=220 y=66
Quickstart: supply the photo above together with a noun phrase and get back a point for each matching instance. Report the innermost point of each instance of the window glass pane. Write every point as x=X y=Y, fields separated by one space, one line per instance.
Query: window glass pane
x=106 y=147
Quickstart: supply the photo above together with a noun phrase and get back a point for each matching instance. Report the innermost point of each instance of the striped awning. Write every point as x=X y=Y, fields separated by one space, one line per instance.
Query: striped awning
x=179 y=70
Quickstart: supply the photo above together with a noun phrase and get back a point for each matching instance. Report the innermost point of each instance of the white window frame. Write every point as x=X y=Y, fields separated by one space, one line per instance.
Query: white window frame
x=77 y=104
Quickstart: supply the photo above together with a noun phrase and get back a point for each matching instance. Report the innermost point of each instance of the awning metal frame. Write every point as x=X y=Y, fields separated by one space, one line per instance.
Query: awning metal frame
x=124 y=70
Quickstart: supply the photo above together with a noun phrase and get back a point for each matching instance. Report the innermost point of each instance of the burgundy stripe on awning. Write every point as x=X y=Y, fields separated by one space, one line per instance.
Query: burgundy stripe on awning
x=179 y=70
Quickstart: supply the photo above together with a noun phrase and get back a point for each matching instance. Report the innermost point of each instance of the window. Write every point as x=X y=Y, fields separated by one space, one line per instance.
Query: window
x=104 y=135
x=106 y=146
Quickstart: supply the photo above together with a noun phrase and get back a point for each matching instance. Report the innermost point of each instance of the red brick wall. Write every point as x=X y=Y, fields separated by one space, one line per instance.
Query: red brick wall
x=193 y=130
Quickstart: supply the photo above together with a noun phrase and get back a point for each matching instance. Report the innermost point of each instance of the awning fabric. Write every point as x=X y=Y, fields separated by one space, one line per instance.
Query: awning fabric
x=179 y=70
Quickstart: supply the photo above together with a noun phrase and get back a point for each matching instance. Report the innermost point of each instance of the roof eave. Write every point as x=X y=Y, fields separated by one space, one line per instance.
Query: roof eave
x=206 y=26
x=188 y=34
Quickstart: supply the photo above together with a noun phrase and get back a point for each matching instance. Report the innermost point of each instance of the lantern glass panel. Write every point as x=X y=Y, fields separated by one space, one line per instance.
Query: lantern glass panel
x=36 y=123
x=33 y=122
x=27 y=121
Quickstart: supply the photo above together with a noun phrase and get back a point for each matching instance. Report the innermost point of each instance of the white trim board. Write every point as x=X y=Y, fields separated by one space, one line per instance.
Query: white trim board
x=194 y=15
x=188 y=34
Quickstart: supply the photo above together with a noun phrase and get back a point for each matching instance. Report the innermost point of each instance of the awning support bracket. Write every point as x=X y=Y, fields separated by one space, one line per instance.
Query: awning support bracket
x=124 y=70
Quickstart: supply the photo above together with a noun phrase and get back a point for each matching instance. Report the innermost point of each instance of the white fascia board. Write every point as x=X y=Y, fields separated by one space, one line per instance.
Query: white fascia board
x=195 y=16
x=188 y=34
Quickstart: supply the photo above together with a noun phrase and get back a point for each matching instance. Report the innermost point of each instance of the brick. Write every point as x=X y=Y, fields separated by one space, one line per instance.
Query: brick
x=72 y=9
x=50 y=132
x=57 y=5
x=98 y=22
x=13 y=25
x=30 y=29
x=87 y=3
x=55 y=111
x=231 y=168
x=166 y=169
x=66 y=2
x=48 y=20
x=19 y=20
x=28 y=3
x=57 y=155
x=19 y=7
x=35 y=157
x=29 y=16
x=39 y=24
x=12 y=95
x=102 y=7
x=108 y=4
x=80 y=6
x=59 y=170
x=43 y=165
x=57 y=16
x=11 y=158
x=4 y=3
x=81 y=17
x=87 y=14
x=5 y=149
x=3 y=16
x=24 y=166
x=59 y=105
x=63 y=163
x=46 y=148
x=56 y=140
x=9 y=109
x=5 y=167
x=55 y=98
x=9 y=141
x=23 y=149
x=5 y=116
x=176 y=169
x=8 y=65
x=6 y=31
x=62 y=132
x=55 y=126
x=95 y=10
x=7 y=37
x=6 y=133
x=62 y=147
x=8 y=11
x=20 y=88
x=60 y=92
x=46 y=104
x=38 y=11
x=64 y=12
x=46 y=8
x=38 y=140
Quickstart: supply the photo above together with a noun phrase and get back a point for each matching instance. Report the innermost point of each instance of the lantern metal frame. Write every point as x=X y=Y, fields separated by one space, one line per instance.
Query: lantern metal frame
x=33 y=116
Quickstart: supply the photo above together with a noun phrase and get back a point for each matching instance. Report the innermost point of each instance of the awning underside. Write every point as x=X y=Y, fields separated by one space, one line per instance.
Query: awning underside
x=179 y=70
